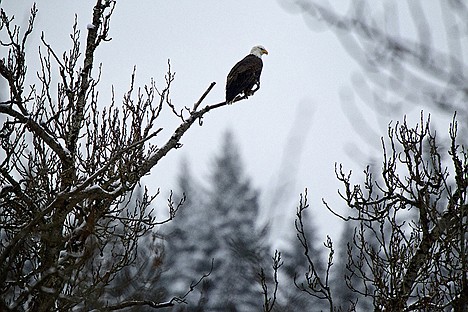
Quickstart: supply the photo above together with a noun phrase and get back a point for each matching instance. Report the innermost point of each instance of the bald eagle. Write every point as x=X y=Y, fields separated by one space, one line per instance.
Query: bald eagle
x=245 y=74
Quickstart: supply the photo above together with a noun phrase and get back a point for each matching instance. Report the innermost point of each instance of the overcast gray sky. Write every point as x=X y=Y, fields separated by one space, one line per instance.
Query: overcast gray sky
x=297 y=111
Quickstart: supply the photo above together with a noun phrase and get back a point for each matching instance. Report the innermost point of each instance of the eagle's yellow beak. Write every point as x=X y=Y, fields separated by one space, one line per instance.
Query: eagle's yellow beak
x=265 y=51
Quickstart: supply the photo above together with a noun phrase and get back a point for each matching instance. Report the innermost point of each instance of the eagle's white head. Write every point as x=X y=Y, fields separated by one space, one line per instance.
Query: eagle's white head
x=258 y=51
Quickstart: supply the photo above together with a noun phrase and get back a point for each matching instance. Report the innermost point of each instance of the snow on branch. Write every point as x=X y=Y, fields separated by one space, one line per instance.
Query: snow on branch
x=73 y=211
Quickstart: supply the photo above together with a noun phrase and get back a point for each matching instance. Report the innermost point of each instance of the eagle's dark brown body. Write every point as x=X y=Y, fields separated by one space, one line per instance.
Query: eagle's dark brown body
x=243 y=77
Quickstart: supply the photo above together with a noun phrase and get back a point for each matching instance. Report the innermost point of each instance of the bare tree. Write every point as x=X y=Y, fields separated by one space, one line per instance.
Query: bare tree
x=417 y=216
x=69 y=168
x=409 y=248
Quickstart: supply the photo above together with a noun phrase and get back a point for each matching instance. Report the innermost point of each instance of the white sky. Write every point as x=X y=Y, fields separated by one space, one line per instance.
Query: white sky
x=302 y=78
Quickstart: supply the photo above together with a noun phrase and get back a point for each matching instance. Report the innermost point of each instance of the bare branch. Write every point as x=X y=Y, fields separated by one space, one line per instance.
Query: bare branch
x=270 y=299
x=317 y=284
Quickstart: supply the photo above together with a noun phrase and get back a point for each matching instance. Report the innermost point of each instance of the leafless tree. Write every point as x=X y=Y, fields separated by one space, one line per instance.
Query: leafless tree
x=417 y=215
x=409 y=247
x=408 y=251
x=69 y=167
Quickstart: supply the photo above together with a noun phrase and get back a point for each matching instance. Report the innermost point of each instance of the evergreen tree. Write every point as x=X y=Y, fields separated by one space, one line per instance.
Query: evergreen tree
x=234 y=208
x=217 y=224
x=186 y=239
